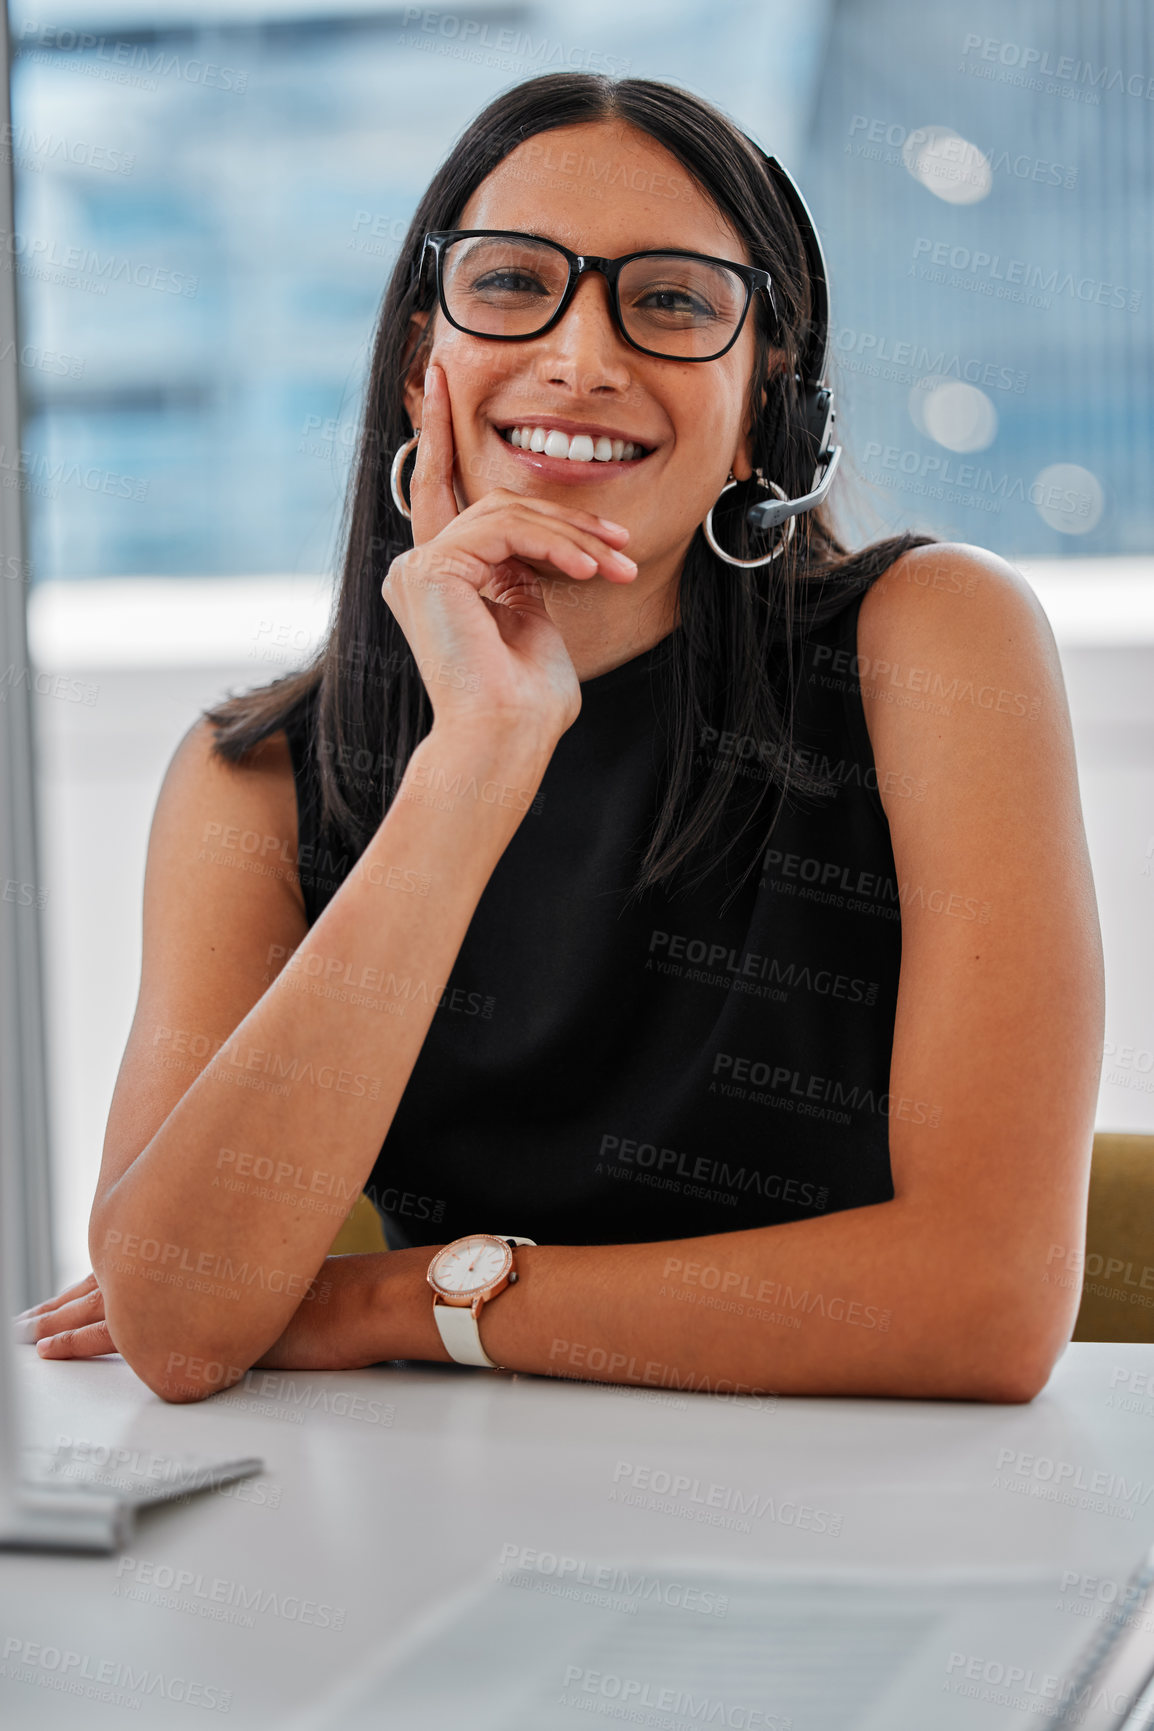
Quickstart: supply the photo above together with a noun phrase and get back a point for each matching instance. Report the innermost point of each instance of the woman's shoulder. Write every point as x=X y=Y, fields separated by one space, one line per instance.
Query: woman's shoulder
x=267 y=765
x=944 y=595
x=244 y=810
x=951 y=642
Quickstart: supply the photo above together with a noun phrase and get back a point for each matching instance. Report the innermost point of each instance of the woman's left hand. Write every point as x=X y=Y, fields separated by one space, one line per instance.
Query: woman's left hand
x=71 y=1325
x=338 y=1326
x=342 y=1324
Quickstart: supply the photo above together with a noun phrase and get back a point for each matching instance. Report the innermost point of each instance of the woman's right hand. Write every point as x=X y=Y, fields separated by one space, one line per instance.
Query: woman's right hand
x=473 y=609
x=71 y=1325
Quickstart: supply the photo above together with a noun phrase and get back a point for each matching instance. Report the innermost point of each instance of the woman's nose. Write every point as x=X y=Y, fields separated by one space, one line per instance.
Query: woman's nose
x=586 y=333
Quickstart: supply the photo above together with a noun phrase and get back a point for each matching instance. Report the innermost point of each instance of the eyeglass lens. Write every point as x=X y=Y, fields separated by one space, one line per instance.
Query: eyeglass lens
x=679 y=307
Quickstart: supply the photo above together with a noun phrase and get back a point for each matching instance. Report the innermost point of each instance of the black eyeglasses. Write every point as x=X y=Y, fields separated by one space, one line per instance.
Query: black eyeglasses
x=509 y=287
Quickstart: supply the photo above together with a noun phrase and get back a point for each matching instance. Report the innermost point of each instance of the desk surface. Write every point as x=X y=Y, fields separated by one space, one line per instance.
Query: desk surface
x=386 y=1486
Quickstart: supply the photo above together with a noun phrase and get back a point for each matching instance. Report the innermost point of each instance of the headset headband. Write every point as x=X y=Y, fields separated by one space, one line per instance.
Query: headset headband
x=817 y=344
x=817 y=398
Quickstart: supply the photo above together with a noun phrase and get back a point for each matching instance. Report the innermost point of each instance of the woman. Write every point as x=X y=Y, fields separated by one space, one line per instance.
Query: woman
x=724 y=931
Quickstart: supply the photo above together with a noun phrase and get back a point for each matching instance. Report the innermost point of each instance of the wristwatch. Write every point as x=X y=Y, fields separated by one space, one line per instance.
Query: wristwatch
x=464 y=1275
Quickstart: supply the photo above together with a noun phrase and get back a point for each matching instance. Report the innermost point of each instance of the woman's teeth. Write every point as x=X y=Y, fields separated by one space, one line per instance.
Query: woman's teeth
x=580 y=448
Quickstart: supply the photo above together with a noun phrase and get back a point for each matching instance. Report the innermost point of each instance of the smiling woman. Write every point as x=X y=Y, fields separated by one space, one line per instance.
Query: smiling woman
x=710 y=906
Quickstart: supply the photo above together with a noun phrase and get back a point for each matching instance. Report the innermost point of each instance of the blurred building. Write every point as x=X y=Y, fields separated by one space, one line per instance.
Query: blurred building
x=207 y=213
x=984 y=179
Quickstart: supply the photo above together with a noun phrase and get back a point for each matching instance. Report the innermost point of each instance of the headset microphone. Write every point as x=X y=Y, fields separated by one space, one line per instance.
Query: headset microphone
x=817 y=412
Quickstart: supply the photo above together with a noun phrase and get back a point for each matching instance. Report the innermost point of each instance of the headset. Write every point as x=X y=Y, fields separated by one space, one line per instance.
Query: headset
x=817 y=412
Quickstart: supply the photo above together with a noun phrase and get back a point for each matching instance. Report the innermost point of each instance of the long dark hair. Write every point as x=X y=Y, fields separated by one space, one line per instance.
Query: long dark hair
x=371 y=706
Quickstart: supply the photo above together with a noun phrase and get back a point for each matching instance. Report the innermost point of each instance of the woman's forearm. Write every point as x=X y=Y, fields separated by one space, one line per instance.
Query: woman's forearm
x=201 y=1251
x=883 y=1300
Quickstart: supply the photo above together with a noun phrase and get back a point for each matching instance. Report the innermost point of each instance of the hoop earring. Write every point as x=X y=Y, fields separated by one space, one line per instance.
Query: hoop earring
x=783 y=542
x=395 y=475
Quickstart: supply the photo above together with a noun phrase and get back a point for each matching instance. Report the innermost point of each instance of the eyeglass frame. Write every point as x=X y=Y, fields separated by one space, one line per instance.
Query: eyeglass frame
x=753 y=278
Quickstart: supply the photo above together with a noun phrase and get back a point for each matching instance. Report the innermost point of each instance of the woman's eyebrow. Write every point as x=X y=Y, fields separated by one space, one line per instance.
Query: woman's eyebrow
x=654 y=246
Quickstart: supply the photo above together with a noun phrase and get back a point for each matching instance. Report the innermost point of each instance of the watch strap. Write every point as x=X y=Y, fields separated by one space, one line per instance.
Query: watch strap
x=457 y=1326
x=460 y=1335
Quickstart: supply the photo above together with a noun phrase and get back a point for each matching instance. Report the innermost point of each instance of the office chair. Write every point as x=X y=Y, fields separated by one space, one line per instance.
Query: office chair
x=361 y=1231
x=1118 y=1277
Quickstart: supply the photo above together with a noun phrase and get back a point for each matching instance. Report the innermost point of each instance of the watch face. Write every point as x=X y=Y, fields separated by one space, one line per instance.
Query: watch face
x=471 y=1264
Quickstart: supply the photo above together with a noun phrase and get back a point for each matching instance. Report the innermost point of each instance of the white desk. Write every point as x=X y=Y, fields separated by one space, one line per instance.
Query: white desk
x=420 y=1476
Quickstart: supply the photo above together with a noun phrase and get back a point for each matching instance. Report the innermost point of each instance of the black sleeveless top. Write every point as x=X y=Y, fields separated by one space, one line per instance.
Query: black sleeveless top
x=601 y=1074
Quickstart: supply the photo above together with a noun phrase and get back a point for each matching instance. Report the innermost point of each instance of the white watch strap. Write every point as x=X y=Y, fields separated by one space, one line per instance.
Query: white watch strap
x=458 y=1329
x=461 y=1336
